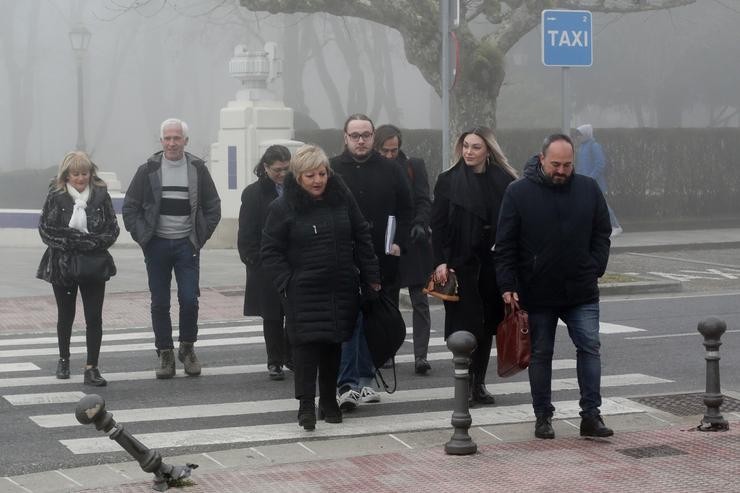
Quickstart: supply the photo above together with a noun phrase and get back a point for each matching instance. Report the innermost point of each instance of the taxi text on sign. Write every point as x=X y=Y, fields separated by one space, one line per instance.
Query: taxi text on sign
x=566 y=38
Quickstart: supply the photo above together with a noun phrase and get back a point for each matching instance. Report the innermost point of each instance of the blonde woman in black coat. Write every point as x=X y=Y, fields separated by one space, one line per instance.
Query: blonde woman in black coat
x=317 y=250
x=77 y=217
x=467 y=198
x=260 y=298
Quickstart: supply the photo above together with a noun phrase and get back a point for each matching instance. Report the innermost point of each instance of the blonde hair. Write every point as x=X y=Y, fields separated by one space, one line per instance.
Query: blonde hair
x=77 y=161
x=495 y=155
x=309 y=157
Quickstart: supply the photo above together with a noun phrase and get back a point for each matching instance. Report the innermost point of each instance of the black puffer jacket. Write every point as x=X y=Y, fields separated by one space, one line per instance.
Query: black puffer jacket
x=553 y=242
x=64 y=241
x=316 y=252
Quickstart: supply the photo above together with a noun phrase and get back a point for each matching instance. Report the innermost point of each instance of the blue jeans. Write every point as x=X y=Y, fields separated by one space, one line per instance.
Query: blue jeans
x=583 y=328
x=162 y=256
x=356 y=368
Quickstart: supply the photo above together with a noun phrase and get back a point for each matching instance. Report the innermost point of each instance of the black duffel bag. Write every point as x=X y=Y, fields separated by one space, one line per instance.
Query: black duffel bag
x=385 y=331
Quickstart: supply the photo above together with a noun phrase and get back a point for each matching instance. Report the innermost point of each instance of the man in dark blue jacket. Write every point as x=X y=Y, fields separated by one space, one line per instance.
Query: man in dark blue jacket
x=552 y=245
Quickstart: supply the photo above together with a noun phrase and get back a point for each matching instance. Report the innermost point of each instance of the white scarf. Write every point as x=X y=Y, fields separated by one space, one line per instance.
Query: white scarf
x=79 y=216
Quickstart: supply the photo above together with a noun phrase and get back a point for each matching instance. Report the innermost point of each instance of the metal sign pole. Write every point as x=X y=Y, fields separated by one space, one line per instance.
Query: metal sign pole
x=565 y=101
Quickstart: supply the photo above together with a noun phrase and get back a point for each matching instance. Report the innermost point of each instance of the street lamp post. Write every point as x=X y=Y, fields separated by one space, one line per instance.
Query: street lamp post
x=79 y=37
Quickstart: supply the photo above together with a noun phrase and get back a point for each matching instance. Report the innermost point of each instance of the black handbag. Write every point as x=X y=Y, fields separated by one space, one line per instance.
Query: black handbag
x=90 y=267
x=385 y=331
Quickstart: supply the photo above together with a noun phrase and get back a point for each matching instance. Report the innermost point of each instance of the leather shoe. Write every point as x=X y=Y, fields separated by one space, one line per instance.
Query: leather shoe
x=63 y=368
x=543 y=427
x=481 y=395
x=330 y=412
x=422 y=366
x=275 y=372
x=307 y=414
x=593 y=426
x=94 y=378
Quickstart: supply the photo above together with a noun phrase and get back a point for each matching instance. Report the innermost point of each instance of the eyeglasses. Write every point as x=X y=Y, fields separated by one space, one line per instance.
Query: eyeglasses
x=277 y=171
x=355 y=137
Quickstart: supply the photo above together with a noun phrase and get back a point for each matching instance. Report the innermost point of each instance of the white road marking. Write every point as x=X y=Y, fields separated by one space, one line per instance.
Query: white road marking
x=119 y=348
x=146 y=335
x=682 y=334
x=564 y=364
x=400 y=441
x=491 y=434
x=17 y=485
x=363 y=425
x=43 y=398
x=9 y=367
x=169 y=413
x=67 y=477
x=303 y=445
x=608 y=328
x=213 y=460
x=129 y=336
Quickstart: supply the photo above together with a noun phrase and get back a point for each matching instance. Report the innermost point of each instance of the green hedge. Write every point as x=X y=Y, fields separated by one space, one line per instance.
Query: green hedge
x=659 y=177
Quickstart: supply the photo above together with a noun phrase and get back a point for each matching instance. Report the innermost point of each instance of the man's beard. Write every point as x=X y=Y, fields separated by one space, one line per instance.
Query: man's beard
x=564 y=179
x=361 y=158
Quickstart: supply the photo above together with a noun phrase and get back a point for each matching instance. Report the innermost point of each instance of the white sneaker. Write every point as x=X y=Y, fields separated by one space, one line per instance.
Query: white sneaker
x=367 y=394
x=616 y=232
x=349 y=400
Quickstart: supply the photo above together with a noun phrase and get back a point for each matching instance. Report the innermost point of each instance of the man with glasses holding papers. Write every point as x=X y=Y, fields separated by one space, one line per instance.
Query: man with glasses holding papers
x=382 y=191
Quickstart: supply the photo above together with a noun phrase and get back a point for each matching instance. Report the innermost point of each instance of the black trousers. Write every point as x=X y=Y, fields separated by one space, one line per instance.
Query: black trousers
x=276 y=343
x=308 y=358
x=93 y=295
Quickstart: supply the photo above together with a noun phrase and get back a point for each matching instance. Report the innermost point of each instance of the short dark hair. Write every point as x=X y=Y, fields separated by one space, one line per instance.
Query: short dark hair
x=554 y=138
x=357 y=116
x=273 y=153
x=385 y=132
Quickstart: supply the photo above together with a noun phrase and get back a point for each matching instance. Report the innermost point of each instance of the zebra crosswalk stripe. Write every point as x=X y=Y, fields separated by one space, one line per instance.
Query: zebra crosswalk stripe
x=214 y=371
x=364 y=425
x=279 y=405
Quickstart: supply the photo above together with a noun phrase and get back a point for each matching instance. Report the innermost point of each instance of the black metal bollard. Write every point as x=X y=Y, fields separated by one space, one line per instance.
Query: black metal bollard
x=91 y=410
x=462 y=344
x=712 y=329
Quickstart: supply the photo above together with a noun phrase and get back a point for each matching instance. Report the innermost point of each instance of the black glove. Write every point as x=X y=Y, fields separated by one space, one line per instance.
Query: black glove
x=418 y=233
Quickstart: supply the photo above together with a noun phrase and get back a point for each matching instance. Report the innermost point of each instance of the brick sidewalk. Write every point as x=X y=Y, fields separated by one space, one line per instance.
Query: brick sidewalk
x=691 y=462
x=120 y=310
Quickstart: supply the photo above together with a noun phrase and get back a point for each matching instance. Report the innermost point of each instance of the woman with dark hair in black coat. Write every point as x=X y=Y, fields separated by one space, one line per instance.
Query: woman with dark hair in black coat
x=316 y=249
x=260 y=298
x=467 y=198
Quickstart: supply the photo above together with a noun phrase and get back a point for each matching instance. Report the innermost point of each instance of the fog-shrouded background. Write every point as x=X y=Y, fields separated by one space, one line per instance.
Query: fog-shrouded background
x=150 y=60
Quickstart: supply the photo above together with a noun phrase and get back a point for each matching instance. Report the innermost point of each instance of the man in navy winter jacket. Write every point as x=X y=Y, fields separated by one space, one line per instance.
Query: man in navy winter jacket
x=552 y=245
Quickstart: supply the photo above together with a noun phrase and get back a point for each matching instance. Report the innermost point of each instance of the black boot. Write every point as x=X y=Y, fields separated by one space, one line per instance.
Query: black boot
x=481 y=395
x=329 y=411
x=593 y=426
x=307 y=414
x=94 y=378
x=63 y=368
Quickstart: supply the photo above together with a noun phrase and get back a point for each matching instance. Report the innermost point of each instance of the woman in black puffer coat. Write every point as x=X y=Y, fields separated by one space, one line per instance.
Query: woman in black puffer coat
x=77 y=218
x=316 y=248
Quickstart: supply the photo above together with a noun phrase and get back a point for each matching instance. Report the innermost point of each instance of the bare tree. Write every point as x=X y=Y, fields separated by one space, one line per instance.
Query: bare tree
x=482 y=67
x=20 y=60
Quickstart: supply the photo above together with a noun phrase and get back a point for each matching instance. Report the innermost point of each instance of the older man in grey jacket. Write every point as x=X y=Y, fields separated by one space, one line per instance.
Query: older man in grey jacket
x=171 y=209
